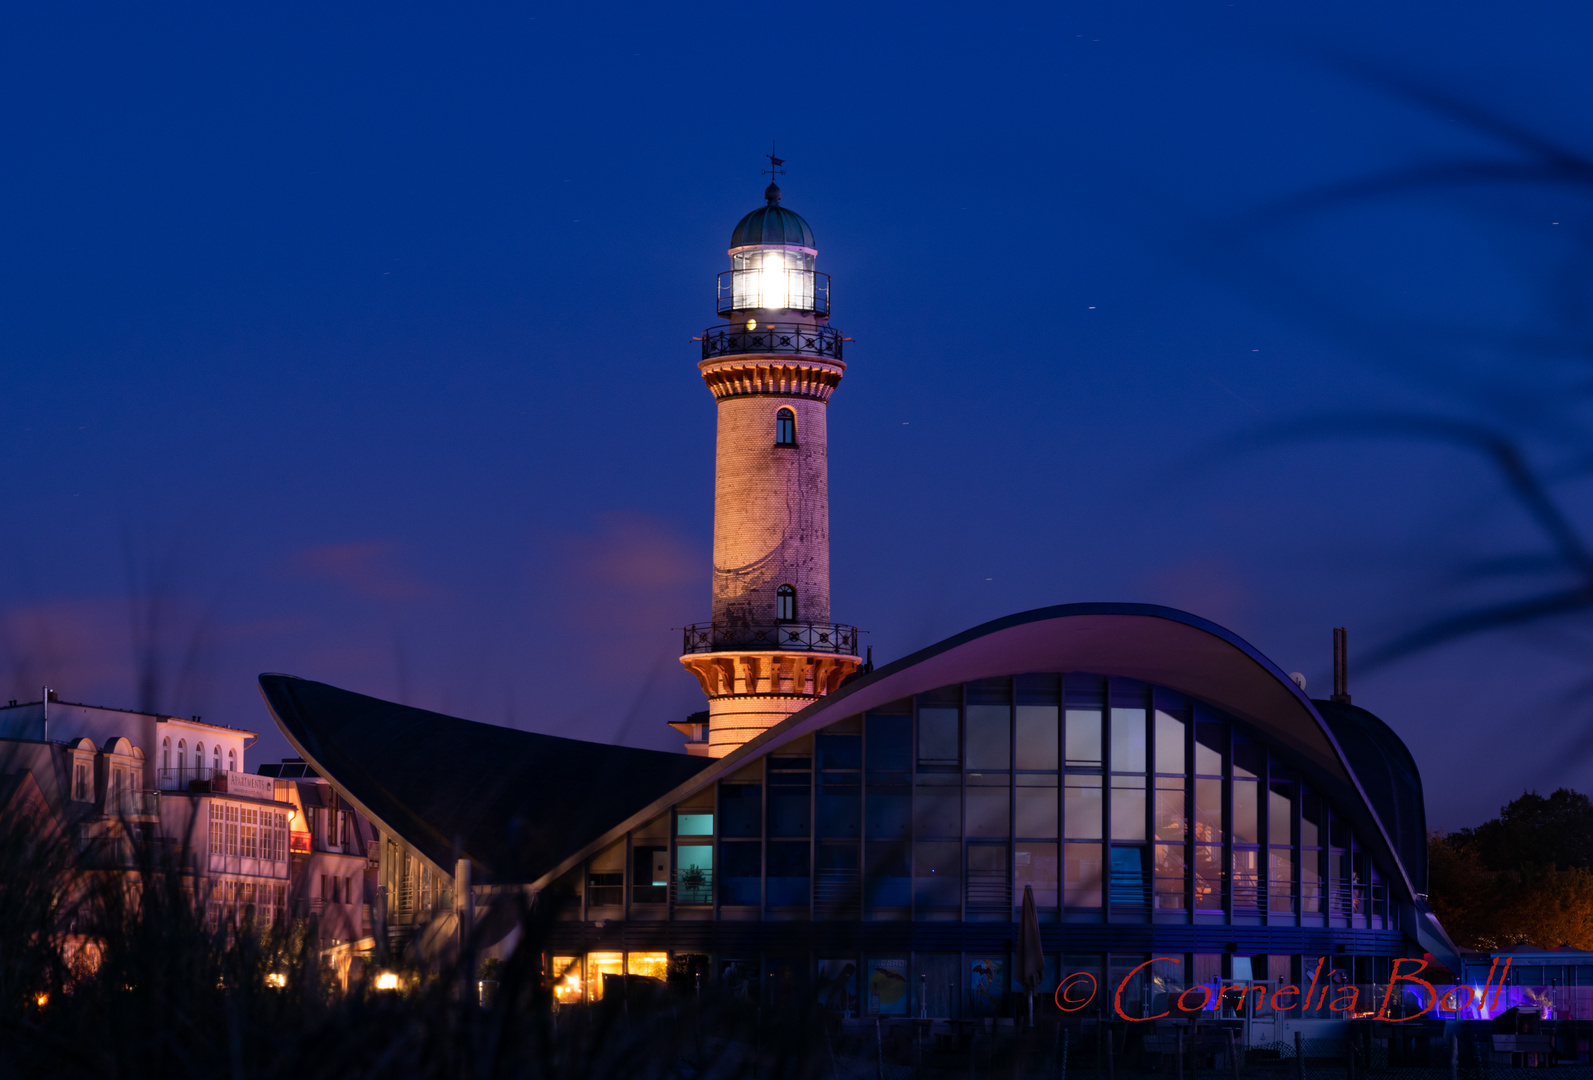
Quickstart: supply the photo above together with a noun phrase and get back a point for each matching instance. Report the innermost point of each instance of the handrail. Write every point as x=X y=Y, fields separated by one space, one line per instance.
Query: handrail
x=792 y=339
x=783 y=636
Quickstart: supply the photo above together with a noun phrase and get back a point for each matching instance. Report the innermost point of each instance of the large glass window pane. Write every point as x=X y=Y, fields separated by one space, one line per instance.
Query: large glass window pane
x=839 y=751
x=1037 y=736
x=1246 y=878
x=649 y=873
x=1249 y=761
x=1037 y=806
x=989 y=741
x=937 y=807
x=1311 y=882
x=1083 y=737
x=938 y=737
x=1128 y=808
x=1081 y=875
x=838 y=812
x=788 y=873
x=1036 y=866
x=1280 y=814
x=694 y=824
x=889 y=743
x=1172 y=822
x=886 y=880
x=1311 y=819
x=1280 y=880
x=741 y=810
x=937 y=874
x=694 y=874
x=1128 y=740
x=1245 y=795
x=1169 y=742
x=989 y=796
x=788 y=804
x=1170 y=887
x=989 y=877
x=1208 y=812
x=1130 y=884
x=888 y=811
x=740 y=872
x=1208 y=877
x=1211 y=742
x=1081 y=811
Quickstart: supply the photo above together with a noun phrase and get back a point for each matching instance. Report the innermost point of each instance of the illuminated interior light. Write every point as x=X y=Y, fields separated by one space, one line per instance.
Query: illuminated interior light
x=387 y=980
x=774 y=282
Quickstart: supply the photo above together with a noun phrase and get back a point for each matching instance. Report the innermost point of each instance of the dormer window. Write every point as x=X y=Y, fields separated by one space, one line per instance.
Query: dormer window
x=785 y=428
x=785 y=604
x=82 y=786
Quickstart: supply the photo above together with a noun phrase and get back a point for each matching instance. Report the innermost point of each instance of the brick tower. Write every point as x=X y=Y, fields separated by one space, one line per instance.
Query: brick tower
x=770 y=648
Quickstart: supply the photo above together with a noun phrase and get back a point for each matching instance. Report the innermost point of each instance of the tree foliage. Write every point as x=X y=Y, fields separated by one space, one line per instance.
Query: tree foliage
x=1523 y=876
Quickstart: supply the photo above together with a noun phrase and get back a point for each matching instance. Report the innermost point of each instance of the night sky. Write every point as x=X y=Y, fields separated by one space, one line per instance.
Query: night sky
x=355 y=342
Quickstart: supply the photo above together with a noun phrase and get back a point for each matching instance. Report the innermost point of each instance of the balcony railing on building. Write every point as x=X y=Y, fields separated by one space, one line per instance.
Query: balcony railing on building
x=784 y=339
x=784 y=636
x=125 y=803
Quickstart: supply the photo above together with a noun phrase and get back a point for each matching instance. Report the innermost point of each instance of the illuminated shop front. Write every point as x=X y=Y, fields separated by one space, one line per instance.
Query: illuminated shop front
x=1159 y=786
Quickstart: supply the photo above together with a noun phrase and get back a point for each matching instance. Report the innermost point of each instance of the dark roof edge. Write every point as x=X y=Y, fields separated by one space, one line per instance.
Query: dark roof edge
x=736 y=758
x=325 y=773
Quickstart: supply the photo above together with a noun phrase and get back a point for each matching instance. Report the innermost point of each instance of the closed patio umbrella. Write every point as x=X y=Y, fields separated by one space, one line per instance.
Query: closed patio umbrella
x=1031 y=954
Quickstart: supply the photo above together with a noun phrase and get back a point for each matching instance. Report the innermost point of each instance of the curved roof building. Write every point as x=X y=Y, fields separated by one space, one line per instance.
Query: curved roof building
x=1162 y=789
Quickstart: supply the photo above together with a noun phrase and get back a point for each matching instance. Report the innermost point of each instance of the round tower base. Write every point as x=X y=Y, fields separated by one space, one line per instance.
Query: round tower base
x=750 y=692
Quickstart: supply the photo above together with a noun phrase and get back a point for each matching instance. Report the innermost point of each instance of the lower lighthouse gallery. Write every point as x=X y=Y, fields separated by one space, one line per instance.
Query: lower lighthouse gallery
x=1174 y=809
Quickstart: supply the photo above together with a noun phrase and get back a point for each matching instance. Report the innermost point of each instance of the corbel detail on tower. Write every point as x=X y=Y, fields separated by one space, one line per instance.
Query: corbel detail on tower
x=782 y=674
x=770 y=375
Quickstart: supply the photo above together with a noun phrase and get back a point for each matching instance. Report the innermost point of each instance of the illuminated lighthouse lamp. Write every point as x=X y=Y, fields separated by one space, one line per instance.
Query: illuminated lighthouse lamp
x=772 y=271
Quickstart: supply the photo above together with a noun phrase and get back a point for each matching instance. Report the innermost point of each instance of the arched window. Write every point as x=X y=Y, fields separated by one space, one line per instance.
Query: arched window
x=232 y=761
x=785 y=428
x=218 y=757
x=182 y=754
x=165 y=752
x=199 y=757
x=785 y=604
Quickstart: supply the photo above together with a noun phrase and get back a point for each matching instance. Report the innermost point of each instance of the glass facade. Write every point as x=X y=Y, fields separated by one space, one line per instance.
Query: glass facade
x=1113 y=802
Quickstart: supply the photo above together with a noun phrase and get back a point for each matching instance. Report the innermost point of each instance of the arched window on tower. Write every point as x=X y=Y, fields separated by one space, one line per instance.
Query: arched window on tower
x=165 y=752
x=182 y=755
x=217 y=758
x=785 y=428
x=232 y=761
x=199 y=757
x=785 y=604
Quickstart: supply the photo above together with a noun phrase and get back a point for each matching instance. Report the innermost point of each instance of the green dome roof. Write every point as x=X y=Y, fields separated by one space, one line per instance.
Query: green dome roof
x=772 y=224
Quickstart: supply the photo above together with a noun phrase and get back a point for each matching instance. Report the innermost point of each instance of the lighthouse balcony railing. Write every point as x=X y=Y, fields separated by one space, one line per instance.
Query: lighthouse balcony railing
x=794 y=339
x=782 y=636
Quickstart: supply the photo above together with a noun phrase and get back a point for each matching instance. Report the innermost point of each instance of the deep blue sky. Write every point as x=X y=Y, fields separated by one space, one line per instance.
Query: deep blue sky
x=356 y=343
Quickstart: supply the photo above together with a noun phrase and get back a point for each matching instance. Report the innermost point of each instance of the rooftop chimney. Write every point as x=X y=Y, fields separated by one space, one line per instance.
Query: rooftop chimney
x=1341 y=665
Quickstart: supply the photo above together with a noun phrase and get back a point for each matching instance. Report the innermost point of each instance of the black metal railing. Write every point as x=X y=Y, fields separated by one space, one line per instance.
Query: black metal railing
x=785 y=636
x=758 y=289
x=793 y=339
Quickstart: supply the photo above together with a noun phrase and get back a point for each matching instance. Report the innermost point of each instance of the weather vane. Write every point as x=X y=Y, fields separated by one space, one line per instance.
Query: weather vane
x=774 y=163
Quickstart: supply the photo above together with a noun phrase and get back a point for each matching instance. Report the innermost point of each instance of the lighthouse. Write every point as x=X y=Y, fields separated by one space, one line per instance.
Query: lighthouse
x=770 y=648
